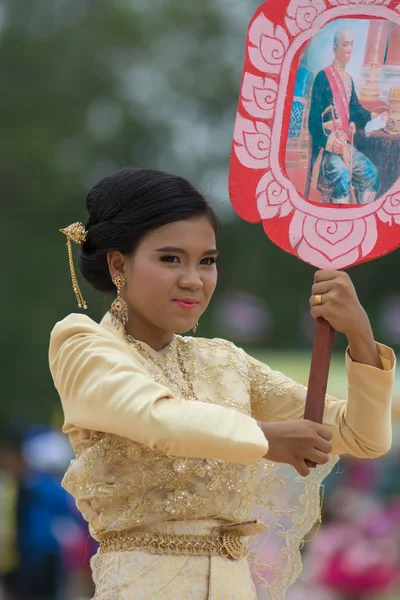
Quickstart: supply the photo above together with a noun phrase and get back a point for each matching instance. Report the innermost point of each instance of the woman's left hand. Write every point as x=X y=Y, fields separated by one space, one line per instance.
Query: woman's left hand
x=339 y=303
x=340 y=306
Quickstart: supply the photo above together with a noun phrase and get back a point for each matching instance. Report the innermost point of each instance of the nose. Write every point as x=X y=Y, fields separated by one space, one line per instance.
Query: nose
x=191 y=280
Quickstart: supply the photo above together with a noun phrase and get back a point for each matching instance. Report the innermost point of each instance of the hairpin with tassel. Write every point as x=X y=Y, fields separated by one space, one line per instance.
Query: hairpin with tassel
x=75 y=233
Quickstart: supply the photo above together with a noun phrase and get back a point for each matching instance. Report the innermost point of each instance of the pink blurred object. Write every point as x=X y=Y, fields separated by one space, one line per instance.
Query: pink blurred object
x=78 y=552
x=362 y=475
x=369 y=580
x=359 y=557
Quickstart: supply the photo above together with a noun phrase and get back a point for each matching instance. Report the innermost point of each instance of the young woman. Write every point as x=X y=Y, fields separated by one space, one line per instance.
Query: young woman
x=183 y=444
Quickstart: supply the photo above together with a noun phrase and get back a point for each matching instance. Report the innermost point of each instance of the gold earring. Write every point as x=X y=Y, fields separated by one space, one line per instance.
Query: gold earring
x=195 y=327
x=119 y=308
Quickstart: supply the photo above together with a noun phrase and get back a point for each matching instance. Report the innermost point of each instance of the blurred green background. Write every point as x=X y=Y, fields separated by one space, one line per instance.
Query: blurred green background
x=91 y=86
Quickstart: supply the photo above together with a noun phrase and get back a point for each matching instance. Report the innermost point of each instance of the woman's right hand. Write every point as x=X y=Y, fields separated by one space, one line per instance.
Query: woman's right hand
x=295 y=442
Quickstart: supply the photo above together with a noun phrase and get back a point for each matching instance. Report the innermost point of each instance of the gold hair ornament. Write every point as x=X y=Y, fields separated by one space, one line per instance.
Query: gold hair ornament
x=75 y=233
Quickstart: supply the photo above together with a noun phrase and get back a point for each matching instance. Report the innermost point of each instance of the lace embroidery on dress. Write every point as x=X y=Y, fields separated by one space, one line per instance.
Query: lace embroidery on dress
x=290 y=505
x=287 y=502
x=119 y=484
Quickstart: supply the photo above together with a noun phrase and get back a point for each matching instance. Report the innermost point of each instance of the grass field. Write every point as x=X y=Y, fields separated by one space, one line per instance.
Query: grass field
x=297 y=366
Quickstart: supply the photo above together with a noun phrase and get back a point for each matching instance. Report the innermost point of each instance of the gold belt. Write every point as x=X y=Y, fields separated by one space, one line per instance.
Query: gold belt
x=227 y=541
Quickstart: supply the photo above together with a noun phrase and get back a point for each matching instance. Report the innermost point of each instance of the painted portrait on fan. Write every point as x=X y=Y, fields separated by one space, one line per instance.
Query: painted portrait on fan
x=344 y=134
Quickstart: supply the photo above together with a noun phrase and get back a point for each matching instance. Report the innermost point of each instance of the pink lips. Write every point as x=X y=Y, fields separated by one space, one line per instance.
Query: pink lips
x=187 y=304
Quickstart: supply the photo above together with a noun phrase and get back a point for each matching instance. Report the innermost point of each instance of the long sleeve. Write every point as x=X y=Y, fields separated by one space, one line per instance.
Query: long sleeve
x=318 y=104
x=358 y=113
x=104 y=387
x=361 y=425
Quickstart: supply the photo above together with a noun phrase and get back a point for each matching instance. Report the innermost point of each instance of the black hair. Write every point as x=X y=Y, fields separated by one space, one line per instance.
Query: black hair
x=127 y=205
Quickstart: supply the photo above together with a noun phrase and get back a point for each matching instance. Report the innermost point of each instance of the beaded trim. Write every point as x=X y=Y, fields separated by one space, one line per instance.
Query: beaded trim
x=225 y=544
x=136 y=343
x=227 y=541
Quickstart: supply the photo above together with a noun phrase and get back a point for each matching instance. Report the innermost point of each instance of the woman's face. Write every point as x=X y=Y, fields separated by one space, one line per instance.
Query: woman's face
x=170 y=278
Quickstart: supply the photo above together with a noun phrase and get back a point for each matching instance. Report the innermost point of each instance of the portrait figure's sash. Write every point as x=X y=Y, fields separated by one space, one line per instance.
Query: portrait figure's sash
x=340 y=97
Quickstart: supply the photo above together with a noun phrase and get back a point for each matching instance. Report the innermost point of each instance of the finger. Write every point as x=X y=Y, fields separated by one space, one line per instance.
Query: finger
x=323 y=432
x=323 y=275
x=315 y=456
x=317 y=311
x=326 y=275
x=323 y=445
x=322 y=287
x=301 y=467
x=319 y=300
x=320 y=458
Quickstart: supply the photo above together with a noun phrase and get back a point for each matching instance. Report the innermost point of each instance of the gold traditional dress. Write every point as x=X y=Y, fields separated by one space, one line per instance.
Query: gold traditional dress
x=169 y=470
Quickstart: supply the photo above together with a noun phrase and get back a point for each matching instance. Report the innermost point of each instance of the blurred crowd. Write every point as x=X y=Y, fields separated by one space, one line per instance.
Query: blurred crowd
x=45 y=547
x=355 y=555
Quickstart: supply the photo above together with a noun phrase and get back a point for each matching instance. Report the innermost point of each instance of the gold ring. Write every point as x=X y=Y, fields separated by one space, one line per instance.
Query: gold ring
x=318 y=299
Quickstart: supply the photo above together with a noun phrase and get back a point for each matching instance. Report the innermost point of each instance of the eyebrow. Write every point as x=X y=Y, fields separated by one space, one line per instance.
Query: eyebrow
x=182 y=251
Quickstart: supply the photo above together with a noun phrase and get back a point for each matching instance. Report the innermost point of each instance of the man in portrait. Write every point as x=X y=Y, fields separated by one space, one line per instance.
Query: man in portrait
x=340 y=172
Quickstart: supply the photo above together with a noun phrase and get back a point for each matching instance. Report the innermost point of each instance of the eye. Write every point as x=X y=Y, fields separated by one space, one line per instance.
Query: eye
x=209 y=261
x=170 y=258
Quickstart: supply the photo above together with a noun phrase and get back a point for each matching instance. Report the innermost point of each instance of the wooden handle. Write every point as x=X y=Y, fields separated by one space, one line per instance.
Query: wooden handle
x=319 y=371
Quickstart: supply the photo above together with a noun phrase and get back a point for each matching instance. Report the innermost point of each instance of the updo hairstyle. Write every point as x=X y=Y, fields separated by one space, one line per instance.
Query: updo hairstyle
x=127 y=205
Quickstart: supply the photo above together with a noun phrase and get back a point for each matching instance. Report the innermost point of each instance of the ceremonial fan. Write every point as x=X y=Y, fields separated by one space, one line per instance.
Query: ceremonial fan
x=325 y=235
